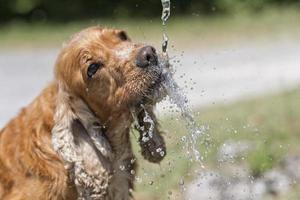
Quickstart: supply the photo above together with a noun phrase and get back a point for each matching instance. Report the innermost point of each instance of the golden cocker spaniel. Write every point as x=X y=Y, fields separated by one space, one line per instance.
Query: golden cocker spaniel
x=72 y=141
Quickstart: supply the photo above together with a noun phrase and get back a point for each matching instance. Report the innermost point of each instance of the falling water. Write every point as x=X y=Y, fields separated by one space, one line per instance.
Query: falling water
x=176 y=94
x=177 y=97
x=166 y=5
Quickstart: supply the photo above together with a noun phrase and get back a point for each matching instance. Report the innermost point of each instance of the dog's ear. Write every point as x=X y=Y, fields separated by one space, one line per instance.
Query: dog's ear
x=122 y=35
x=62 y=137
x=152 y=143
x=78 y=139
x=92 y=127
x=69 y=111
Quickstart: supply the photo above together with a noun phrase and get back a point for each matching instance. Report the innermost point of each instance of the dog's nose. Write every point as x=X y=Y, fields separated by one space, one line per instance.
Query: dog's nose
x=146 y=57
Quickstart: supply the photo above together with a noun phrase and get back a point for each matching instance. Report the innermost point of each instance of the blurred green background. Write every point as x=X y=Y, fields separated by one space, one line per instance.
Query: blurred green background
x=61 y=11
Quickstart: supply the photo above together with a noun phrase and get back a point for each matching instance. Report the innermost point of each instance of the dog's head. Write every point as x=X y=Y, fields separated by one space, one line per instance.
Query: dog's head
x=109 y=71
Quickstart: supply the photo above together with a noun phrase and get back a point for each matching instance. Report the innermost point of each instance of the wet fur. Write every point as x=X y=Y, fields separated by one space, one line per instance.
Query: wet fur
x=72 y=141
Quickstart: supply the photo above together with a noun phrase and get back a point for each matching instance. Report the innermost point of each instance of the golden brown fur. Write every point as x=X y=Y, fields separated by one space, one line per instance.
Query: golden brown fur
x=31 y=168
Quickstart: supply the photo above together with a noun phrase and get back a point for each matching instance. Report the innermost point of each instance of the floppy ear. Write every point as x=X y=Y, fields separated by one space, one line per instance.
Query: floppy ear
x=77 y=138
x=152 y=143
x=62 y=137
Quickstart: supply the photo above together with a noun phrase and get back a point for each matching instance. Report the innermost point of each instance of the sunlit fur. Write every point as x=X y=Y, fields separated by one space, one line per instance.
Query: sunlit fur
x=32 y=167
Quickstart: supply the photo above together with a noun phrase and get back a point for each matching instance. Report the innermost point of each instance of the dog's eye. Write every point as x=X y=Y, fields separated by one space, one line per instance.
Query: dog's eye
x=92 y=69
x=123 y=36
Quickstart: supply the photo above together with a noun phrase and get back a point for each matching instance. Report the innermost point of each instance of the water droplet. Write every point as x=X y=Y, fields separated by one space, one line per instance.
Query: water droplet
x=181 y=182
x=122 y=167
x=132 y=160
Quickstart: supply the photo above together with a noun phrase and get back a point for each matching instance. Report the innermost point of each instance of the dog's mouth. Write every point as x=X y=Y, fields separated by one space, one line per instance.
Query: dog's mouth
x=156 y=90
x=146 y=86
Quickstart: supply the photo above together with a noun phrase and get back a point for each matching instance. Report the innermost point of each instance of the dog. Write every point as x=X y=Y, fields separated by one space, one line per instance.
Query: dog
x=73 y=140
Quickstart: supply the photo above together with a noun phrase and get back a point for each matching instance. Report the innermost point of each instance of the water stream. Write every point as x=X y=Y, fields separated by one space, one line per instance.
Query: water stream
x=176 y=94
x=177 y=97
x=166 y=11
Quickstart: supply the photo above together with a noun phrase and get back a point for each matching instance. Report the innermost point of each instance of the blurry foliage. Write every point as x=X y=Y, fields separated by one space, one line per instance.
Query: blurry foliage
x=56 y=10
x=266 y=156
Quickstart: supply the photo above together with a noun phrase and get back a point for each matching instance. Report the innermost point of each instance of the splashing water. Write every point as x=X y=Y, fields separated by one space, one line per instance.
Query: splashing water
x=178 y=98
x=147 y=135
x=176 y=94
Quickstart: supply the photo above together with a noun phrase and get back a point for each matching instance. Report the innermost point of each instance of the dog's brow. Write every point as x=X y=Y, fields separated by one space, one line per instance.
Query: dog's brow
x=88 y=59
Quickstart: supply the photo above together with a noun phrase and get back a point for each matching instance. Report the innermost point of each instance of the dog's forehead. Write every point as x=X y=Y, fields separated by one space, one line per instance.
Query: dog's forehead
x=107 y=34
x=93 y=34
x=111 y=39
x=95 y=39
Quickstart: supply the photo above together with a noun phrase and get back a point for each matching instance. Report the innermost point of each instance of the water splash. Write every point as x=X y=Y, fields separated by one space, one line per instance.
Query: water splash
x=178 y=97
x=176 y=94
x=147 y=134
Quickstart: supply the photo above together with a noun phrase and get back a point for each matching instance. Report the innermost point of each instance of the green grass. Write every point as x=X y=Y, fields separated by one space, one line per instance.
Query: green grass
x=271 y=123
x=184 y=32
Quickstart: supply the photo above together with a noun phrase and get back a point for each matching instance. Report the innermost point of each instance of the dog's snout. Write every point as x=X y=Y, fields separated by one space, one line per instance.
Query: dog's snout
x=146 y=57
